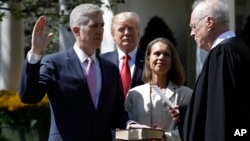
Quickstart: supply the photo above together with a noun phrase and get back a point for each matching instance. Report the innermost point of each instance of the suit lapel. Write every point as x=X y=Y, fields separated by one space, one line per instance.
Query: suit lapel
x=171 y=90
x=103 y=79
x=139 y=63
x=76 y=65
x=114 y=58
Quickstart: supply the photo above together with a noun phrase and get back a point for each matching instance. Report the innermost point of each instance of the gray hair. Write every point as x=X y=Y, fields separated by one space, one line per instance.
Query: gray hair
x=216 y=9
x=80 y=13
x=125 y=15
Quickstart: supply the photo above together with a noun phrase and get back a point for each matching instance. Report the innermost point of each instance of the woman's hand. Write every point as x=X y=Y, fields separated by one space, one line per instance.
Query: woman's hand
x=173 y=113
x=136 y=125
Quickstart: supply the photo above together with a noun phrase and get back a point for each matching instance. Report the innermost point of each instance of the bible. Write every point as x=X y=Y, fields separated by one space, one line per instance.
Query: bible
x=139 y=134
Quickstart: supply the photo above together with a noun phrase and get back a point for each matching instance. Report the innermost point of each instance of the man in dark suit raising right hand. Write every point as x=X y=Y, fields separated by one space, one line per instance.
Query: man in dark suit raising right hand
x=78 y=112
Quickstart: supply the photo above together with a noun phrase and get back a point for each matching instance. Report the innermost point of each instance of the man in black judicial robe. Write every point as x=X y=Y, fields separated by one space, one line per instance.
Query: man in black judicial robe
x=219 y=108
x=220 y=103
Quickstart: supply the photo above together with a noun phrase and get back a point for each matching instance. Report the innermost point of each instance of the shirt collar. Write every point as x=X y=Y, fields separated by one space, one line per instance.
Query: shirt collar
x=82 y=55
x=131 y=54
x=223 y=36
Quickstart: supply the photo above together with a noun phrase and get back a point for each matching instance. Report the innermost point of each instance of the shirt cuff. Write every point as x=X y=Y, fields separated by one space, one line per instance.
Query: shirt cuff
x=33 y=58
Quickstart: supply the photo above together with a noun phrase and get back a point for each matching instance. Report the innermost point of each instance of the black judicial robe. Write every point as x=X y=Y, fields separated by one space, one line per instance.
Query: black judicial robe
x=220 y=106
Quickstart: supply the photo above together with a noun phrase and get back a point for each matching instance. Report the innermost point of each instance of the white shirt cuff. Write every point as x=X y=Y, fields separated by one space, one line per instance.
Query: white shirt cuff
x=33 y=58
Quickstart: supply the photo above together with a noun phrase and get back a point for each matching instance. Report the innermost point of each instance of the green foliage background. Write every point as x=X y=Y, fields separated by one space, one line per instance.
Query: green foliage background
x=56 y=17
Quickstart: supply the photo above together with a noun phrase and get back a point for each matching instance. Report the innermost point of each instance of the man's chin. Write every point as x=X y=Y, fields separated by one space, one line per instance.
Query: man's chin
x=126 y=44
x=97 y=44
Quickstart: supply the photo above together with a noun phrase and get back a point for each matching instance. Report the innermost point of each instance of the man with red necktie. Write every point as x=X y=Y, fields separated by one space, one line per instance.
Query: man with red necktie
x=125 y=30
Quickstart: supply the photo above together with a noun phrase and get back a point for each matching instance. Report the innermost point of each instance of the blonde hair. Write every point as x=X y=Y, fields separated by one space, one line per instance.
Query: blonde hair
x=125 y=15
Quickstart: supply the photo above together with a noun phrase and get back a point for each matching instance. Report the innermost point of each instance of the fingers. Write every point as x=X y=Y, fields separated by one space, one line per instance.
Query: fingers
x=50 y=35
x=175 y=116
x=39 y=26
x=138 y=126
x=173 y=113
x=176 y=119
x=39 y=39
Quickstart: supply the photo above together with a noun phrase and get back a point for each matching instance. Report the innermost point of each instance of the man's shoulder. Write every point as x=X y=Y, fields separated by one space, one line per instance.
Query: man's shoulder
x=106 y=54
x=105 y=61
x=55 y=55
x=111 y=56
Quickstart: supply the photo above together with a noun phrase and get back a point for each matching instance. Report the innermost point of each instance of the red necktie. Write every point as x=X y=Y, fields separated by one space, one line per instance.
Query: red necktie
x=125 y=75
x=91 y=79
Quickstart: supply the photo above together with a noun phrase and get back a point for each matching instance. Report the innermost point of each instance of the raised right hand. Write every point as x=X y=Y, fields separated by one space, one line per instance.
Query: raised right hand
x=39 y=40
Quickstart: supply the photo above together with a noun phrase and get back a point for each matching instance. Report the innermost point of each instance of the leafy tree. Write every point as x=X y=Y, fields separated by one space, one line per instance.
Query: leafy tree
x=156 y=27
x=48 y=7
x=32 y=9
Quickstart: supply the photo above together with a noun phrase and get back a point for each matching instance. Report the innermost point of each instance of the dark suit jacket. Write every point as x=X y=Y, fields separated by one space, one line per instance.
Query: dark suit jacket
x=139 y=63
x=73 y=115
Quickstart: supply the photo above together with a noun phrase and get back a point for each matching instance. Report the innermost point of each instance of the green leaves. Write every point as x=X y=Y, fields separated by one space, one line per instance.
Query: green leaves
x=30 y=10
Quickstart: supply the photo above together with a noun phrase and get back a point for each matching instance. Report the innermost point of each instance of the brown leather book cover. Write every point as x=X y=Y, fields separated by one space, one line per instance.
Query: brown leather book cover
x=139 y=134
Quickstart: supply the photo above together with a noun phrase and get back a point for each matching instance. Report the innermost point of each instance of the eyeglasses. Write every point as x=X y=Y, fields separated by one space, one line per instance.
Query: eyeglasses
x=193 y=26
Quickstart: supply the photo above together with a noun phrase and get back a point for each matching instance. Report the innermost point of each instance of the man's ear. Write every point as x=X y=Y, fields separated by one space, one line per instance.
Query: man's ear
x=76 y=30
x=210 y=22
x=112 y=33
